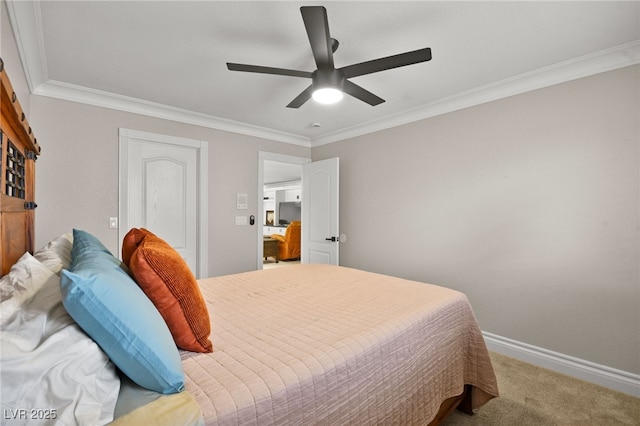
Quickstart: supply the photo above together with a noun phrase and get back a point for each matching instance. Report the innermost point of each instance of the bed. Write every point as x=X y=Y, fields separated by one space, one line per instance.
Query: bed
x=304 y=344
x=320 y=344
x=92 y=338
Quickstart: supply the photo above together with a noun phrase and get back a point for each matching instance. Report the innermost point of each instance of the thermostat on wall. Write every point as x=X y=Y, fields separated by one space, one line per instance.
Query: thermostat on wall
x=242 y=202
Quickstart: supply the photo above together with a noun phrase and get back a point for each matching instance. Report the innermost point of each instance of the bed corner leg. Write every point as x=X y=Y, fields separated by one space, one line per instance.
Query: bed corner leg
x=465 y=405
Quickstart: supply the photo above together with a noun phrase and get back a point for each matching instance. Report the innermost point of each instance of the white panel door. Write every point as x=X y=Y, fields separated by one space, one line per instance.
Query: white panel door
x=161 y=193
x=320 y=237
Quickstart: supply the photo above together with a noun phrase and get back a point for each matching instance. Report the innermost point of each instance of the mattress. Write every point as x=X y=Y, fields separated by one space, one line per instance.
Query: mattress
x=321 y=344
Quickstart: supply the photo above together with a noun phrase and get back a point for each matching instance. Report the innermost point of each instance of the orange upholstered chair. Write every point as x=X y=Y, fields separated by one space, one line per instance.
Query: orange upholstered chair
x=289 y=245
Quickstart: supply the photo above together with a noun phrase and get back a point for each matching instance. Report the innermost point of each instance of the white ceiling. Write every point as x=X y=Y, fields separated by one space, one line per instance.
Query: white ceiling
x=276 y=172
x=168 y=59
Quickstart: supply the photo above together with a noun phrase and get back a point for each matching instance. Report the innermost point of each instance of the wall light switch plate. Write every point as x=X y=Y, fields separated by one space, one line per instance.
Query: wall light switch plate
x=113 y=223
x=241 y=220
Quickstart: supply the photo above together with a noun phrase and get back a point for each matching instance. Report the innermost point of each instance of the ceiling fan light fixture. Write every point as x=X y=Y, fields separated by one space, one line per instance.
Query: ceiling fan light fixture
x=327 y=95
x=327 y=86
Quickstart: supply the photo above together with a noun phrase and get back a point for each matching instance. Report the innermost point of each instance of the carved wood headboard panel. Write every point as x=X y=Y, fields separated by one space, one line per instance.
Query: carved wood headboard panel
x=19 y=150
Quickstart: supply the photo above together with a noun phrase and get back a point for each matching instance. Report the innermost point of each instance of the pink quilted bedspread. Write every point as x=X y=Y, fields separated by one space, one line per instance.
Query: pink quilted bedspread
x=319 y=344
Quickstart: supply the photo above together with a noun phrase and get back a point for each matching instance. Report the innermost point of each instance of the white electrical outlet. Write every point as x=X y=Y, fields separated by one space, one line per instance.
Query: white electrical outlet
x=241 y=220
x=113 y=222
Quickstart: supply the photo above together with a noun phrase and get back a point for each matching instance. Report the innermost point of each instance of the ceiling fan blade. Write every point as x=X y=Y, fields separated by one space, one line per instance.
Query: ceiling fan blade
x=301 y=98
x=389 y=62
x=317 y=25
x=362 y=94
x=267 y=70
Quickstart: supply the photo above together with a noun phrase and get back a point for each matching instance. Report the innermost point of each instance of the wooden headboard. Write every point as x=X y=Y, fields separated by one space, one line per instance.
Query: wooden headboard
x=17 y=182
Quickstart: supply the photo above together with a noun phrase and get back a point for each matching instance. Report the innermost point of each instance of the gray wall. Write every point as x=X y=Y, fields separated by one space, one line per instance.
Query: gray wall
x=78 y=176
x=529 y=205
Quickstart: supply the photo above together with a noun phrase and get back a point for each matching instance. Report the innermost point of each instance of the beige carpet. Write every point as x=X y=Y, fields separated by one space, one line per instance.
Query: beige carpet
x=270 y=263
x=530 y=395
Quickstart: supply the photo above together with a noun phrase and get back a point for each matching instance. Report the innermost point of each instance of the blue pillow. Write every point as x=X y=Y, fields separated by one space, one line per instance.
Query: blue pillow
x=110 y=307
x=84 y=242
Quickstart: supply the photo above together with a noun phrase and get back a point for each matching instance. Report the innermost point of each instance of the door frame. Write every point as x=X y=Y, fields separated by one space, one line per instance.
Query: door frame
x=271 y=156
x=202 y=192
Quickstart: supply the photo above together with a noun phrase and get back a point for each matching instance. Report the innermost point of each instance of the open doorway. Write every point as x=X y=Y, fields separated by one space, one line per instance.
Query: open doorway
x=279 y=200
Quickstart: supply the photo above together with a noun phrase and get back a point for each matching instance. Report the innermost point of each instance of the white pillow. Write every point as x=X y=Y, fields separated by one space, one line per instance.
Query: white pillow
x=52 y=372
x=56 y=255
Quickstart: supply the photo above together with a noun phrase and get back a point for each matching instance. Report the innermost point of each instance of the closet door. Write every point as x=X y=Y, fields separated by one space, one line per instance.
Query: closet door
x=161 y=189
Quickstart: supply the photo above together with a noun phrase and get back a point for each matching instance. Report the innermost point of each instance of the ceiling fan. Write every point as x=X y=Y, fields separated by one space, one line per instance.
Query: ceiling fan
x=327 y=82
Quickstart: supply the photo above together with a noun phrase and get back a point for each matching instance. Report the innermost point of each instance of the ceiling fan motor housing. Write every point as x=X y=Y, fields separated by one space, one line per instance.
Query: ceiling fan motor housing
x=323 y=78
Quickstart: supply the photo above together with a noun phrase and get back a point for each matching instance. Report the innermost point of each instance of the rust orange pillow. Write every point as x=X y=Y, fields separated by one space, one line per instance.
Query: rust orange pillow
x=131 y=241
x=166 y=279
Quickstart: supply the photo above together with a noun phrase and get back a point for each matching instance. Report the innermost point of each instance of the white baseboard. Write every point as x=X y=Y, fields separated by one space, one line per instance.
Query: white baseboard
x=621 y=381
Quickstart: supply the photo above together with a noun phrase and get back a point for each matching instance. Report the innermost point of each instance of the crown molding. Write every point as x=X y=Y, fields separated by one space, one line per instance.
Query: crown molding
x=606 y=60
x=25 y=18
x=73 y=93
x=26 y=22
